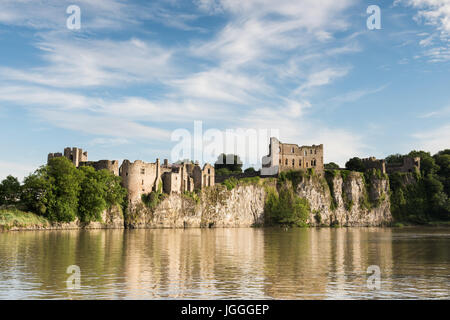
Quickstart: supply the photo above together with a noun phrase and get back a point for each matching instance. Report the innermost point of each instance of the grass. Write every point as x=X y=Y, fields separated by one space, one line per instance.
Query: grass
x=10 y=218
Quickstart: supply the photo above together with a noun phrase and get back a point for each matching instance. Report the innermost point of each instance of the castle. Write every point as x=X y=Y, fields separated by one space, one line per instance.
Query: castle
x=141 y=178
x=409 y=164
x=286 y=156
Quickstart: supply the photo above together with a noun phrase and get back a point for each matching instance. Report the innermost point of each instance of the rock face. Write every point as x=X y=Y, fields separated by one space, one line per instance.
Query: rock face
x=347 y=202
x=216 y=207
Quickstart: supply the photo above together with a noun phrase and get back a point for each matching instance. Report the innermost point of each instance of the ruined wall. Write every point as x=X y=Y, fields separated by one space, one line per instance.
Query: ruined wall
x=286 y=156
x=76 y=155
x=139 y=178
x=208 y=175
x=409 y=165
x=373 y=163
x=293 y=157
x=110 y=165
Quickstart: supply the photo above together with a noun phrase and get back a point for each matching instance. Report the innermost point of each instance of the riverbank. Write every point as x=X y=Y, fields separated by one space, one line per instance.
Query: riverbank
x=16 y=220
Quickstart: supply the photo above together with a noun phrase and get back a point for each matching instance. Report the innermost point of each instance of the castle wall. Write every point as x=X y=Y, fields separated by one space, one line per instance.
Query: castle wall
x=76 y=155
x=271 y=162
x=139 y=178
x=293 y=157
x=110 y=165
x=286 y=156
x=409 y=165
x=373 y=163
x=208 y=175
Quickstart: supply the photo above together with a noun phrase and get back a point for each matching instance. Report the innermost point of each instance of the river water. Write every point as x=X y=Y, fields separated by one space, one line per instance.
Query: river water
x=247 y=263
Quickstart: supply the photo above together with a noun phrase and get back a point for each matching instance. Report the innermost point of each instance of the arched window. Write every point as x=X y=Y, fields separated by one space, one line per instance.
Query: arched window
x=286 y=162
x=299 y=163
x=293 y=162
x=292 y=149
x=306 y=153
x=307 y=164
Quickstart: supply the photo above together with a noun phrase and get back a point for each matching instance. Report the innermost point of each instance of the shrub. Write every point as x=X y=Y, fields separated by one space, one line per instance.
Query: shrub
x=285 y=207
x=231 y=183
x=250 y=170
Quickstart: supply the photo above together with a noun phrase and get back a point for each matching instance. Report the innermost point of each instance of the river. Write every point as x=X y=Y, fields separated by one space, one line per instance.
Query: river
x=247 y=263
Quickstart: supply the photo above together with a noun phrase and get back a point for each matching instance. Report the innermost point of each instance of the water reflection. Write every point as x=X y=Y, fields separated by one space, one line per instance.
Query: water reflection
x=226 y=263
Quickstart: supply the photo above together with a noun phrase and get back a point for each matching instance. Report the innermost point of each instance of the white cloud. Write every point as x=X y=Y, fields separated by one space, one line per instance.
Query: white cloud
x=259 y=28
x=435 y=13
x=355 y=95
x=321 y=78
x=250 y=72
x=51 y=14
x=85 y=62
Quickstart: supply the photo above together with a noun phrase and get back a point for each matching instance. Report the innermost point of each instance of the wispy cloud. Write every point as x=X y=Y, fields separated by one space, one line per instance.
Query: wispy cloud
x=435 y=13
x=437 y=113
x=86 y=62
x=355 y=95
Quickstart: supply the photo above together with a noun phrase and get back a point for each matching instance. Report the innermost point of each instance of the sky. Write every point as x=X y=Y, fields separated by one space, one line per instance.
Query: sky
x=137 y=72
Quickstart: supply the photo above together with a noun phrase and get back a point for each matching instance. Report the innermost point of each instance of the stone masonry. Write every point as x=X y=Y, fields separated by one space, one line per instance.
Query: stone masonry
x=286 y=156
x=141 y=178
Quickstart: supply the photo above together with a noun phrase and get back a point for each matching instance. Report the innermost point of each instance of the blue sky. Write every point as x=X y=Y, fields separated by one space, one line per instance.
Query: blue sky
x=138 y=70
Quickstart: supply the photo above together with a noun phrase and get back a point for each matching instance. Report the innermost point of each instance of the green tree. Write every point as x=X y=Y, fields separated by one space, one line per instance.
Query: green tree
x=331 y=166
x=9 y=191
x=250 y=170
x=223 y=172
x=38 y=192
x=442 y=159
x=65 y=179
x=427 y=162
x=91 y=199
x=355 y=164
x=394 y=158
x=231 y=162
x=285 y=207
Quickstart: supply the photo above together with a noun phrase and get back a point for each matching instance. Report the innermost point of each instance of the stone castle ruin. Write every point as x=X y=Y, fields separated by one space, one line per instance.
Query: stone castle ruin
x=409 y=164
x=286 y=156
x=141 y=178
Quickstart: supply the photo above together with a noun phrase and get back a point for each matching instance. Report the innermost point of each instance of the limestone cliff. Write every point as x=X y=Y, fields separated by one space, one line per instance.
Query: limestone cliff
x=348 y=201
x=345 y=201
x=215 y=207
